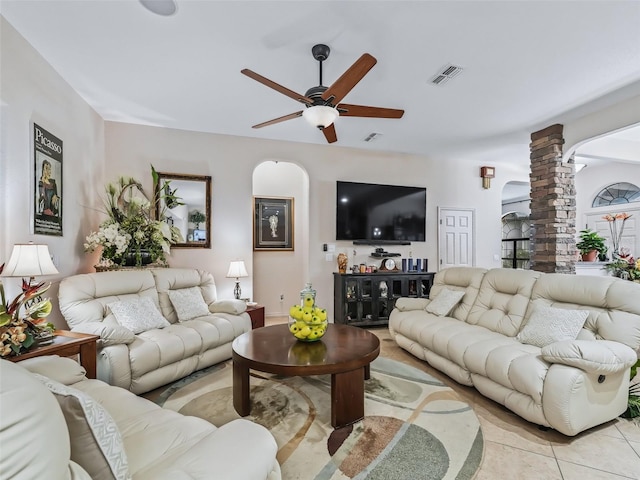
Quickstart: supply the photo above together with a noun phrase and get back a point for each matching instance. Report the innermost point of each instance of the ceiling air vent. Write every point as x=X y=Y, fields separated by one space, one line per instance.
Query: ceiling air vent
x=445 y=74
x=372 y=136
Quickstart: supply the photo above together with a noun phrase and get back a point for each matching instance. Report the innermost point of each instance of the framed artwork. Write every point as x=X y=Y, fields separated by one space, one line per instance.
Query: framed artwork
x=272 y=223
x=47 y=153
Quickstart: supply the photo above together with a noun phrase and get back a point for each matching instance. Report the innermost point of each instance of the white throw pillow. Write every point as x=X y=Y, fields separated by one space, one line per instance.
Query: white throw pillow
x=548 y=325
x=138 y=315
x=444 y=302
x=96 y=443
x=188 y=303
x=234 y=307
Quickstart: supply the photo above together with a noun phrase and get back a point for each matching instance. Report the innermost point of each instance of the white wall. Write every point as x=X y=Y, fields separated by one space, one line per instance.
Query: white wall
x=591 y=180
x=231 y=162
x=97 y=152
x=521 y=206
x=612 y=118
x=33 y=92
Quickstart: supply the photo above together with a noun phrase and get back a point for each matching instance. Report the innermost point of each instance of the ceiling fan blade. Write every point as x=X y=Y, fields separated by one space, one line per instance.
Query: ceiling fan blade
x=349 y=79
x=277 y=87
x=347 y=110
x=330 y=133
x=291 y=116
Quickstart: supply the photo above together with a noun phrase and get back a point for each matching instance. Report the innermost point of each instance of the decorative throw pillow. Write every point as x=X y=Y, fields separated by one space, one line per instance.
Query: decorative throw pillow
x=96 y=444
x=444 y=302
x=188 y=303
x=548 y=325
x=234 y=307
x=138 y=315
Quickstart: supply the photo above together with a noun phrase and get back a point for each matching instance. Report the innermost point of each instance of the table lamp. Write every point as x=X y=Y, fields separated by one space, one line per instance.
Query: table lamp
x=237 y=270
x=29 y=260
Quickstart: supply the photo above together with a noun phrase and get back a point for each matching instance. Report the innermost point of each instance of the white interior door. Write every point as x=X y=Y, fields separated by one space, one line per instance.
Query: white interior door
x=456 y=237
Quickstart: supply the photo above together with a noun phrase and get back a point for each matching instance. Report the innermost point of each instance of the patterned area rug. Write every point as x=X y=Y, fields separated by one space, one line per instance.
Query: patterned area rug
x=415 y=427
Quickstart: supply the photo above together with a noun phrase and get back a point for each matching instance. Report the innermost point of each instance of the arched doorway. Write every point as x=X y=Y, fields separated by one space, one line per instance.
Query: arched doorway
x=278 y=276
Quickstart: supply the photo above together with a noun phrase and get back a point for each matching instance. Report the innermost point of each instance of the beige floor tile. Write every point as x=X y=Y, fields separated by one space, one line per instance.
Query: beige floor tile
x=500 y=431
x=630 y=428
x=571 y=471
x=503 y=462
x=636 y=447
x=601 y=452
x=515 y=448
x=610 y=429
x=274 y=320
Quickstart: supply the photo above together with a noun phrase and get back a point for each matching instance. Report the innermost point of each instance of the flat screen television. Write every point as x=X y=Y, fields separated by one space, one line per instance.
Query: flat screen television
x=374 y=213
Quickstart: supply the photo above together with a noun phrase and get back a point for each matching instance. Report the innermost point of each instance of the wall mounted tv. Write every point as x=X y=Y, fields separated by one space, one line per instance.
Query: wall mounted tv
x=375 y=214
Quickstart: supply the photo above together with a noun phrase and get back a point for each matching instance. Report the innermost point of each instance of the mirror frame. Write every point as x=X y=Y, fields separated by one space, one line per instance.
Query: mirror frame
x=192 y=178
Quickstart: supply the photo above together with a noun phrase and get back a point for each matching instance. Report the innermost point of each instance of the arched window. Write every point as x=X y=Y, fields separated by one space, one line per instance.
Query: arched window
x=516 y=229
x=617 y=194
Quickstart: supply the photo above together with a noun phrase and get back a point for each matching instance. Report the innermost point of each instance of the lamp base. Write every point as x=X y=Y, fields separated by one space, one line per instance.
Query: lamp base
x=237 y=291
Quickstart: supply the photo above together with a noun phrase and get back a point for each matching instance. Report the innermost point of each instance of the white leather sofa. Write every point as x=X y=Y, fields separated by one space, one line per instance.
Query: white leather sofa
x=135 y=439
x=157 y=356
x=569 y=385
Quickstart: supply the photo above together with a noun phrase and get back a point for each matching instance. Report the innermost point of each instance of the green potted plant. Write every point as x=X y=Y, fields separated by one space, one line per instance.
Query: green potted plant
x=590 y=244
x=633 y=407
x=197 y=217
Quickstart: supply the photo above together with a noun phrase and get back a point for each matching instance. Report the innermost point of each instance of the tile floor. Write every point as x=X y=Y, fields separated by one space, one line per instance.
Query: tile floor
x=515 y=448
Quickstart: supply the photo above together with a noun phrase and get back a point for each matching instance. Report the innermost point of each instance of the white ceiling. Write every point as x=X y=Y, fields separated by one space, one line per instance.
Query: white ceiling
x=527 y=64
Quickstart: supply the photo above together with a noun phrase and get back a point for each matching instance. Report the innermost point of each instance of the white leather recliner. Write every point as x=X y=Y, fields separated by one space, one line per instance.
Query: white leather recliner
x=152 y=443
x=569 y=385
x=144 y=361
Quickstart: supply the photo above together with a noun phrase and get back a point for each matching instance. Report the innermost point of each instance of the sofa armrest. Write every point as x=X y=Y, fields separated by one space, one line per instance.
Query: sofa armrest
x=61 y=369
x=405 y=304
x=234 y=307
x=592 y=356
x=110 y=333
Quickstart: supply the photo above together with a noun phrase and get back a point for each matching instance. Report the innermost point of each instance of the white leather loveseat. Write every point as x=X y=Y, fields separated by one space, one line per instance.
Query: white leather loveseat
x=57 y=425
x=499 y=338
x=151 y=351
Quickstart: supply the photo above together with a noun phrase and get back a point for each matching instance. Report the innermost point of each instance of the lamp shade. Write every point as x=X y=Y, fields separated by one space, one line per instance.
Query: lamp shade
x=29 y=260
x=237 y=270
x=320 y=116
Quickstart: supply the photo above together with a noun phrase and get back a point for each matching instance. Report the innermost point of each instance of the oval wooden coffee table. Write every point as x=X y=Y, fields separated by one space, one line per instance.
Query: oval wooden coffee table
x=344 y=352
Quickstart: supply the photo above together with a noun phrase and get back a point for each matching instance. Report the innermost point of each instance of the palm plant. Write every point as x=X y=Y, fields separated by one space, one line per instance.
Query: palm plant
x=633 y=406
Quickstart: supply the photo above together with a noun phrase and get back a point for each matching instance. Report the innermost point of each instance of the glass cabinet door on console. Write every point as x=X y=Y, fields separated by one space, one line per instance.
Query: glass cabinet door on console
x=367 y=299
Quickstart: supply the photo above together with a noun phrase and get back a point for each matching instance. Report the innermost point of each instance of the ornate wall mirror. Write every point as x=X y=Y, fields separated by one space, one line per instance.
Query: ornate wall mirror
x=191 y=213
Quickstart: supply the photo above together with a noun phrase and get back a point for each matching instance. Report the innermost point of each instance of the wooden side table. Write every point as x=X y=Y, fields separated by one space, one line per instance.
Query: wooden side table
x=257 y=316
x=67 y=344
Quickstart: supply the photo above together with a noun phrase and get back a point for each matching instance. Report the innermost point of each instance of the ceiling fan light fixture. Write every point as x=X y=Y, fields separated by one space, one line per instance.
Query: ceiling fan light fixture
x=320 y=116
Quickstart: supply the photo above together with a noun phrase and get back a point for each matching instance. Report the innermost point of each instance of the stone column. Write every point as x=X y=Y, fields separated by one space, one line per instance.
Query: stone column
x=553 y=204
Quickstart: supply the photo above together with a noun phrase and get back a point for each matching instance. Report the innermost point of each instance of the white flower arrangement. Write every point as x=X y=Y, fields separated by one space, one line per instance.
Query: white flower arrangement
x=130 y=234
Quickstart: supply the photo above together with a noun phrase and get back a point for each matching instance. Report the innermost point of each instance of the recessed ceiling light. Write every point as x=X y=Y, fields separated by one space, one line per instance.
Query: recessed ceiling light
x=160 y=7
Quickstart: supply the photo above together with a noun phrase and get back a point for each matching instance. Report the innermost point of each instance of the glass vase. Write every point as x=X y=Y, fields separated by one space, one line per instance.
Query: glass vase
x=307 y=322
